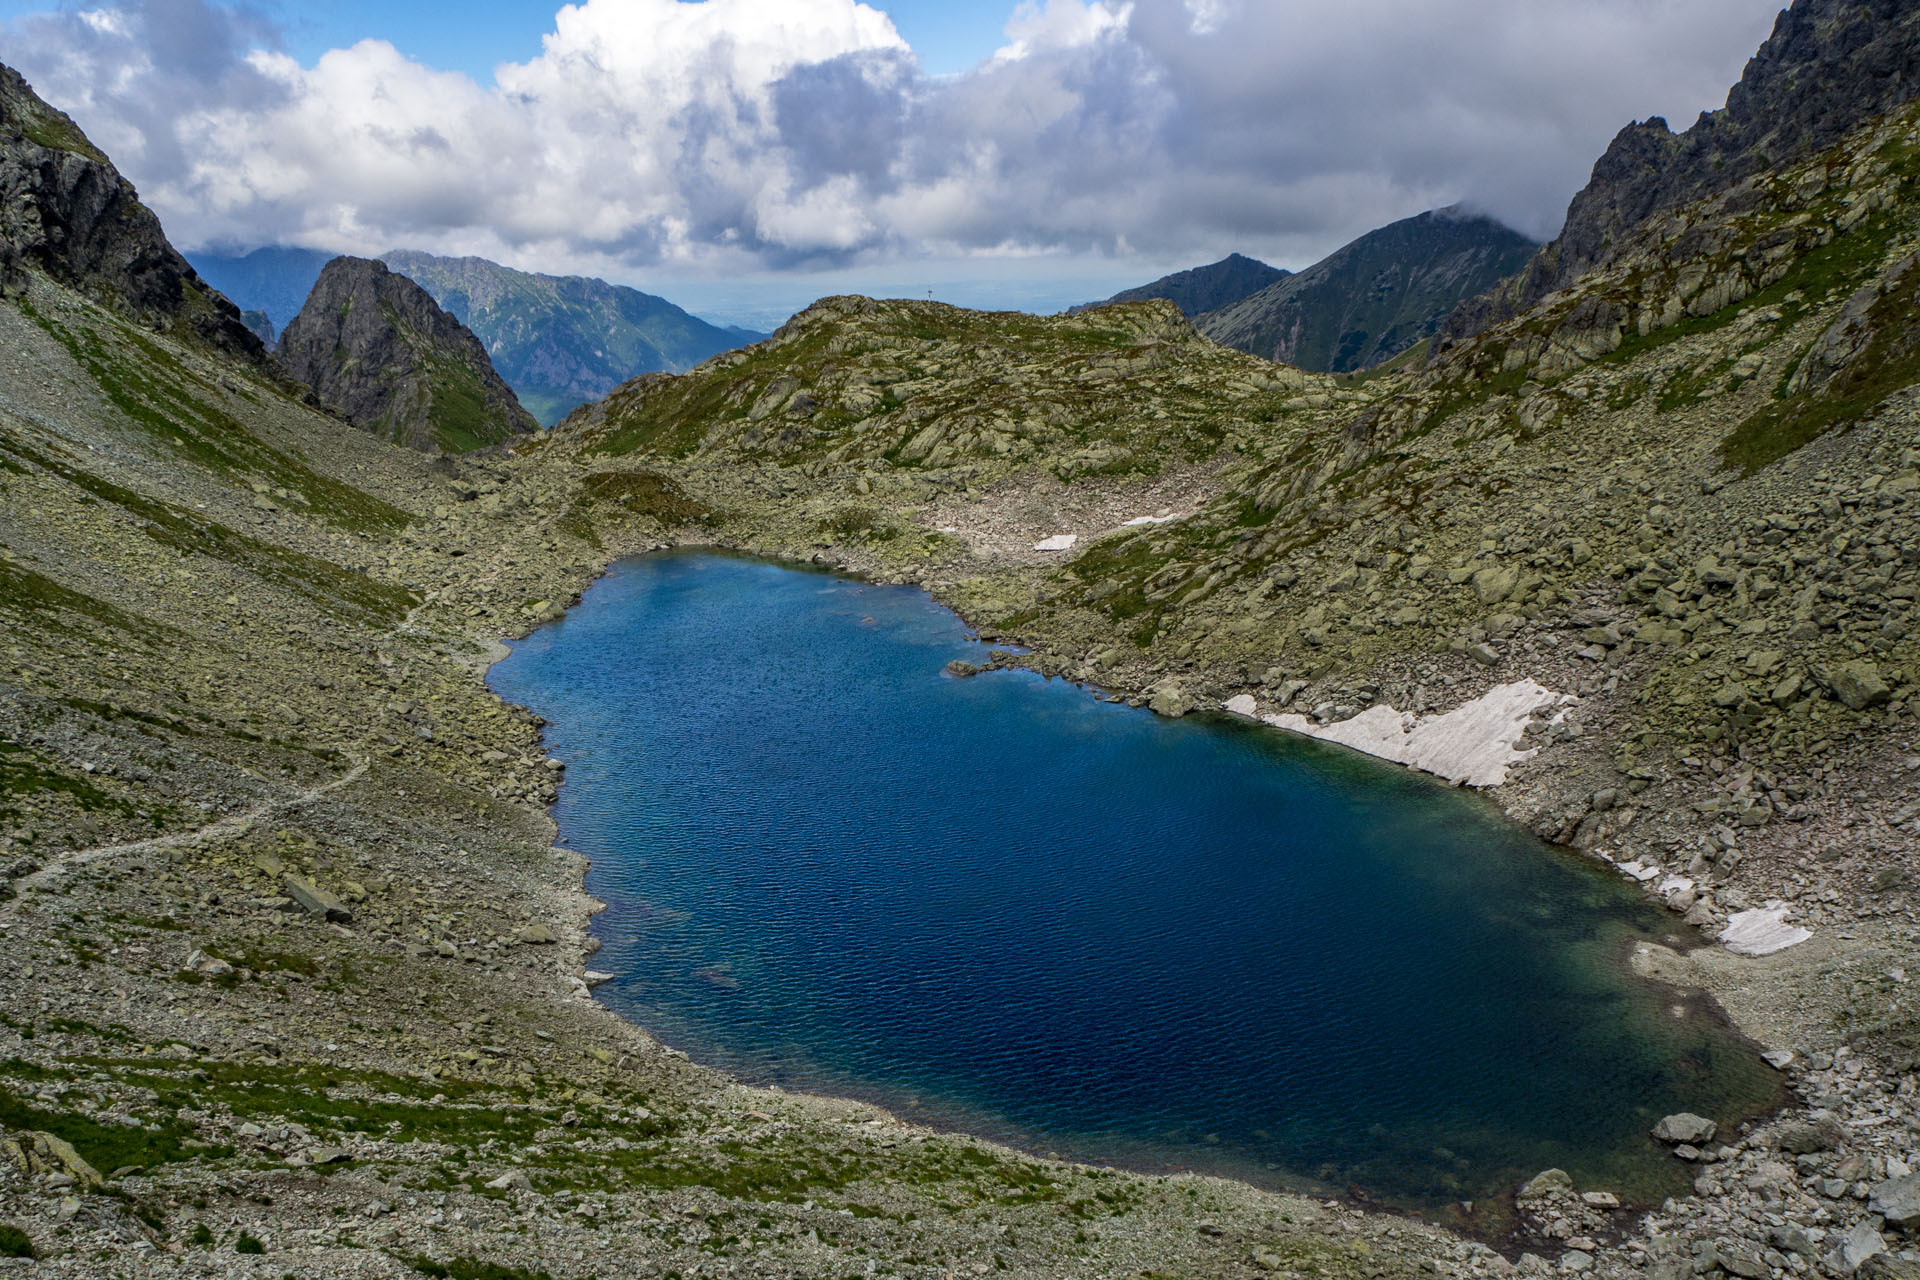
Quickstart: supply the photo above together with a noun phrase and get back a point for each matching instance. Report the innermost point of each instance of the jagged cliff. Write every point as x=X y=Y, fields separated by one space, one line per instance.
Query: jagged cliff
x=65 y=210
x=1829 y=66
x=378 y=348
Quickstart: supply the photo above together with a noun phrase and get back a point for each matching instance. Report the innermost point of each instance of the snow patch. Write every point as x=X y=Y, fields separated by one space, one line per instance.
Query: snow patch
x=1140 y=520
x=1475 y=743
x=1762 y=931
x=1058 y=542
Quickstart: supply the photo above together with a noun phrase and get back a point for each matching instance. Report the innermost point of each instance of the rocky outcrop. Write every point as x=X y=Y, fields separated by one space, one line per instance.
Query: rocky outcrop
x=1202 y=289
x=65 y=211
x=1829 y=66
x=561 y=341
x=558 y=341
x=378 y=348
x=1374 y=298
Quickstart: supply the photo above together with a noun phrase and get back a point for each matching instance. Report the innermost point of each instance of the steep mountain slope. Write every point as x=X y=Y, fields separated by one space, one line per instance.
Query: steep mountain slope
x=1207 y=288
x=66 y=211
x=1829 y=66
x=377 y=347
x=1374 y=298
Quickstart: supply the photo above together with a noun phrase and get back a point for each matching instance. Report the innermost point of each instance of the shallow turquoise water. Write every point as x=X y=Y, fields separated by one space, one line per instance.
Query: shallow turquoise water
x=1004 y=904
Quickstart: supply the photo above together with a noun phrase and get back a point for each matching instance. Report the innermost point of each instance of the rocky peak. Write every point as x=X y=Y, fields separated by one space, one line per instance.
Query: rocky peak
x=1829 y=66
x=66 y=211
x=378 y=348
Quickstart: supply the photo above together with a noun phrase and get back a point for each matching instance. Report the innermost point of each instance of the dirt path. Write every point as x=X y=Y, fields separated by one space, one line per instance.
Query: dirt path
x=225 y=828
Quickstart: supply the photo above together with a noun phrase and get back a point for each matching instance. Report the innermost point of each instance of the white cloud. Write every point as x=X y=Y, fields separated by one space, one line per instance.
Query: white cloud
x=1046 y=25
x=756 y=134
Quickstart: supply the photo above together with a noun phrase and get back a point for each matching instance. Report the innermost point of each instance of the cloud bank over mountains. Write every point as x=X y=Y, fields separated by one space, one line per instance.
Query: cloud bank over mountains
x=772 y=134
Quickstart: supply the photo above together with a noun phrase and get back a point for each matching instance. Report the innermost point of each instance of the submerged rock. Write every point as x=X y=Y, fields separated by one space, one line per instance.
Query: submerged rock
x=1685 y=1127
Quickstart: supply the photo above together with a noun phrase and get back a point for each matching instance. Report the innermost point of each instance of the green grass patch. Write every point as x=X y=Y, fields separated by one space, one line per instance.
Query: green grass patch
x=459 y=419
x=24 y=592
x=25 y=773
x=56 y=133
x=861 y=522
x=107 y=1146
x=647 y=494
x=14 y=1243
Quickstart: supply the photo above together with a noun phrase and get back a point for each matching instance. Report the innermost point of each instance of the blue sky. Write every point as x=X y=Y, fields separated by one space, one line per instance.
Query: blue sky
x=745 y=156
x=949 y=35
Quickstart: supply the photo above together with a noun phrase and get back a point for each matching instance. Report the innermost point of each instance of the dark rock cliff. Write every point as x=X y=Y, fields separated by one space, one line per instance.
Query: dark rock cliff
x=67 y=212
x=1829 y=66
x=378 y=348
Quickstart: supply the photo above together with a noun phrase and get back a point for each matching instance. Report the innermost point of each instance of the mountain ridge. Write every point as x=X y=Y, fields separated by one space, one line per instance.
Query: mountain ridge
x=1200 y=289
x=1827 y=66
x=1374 y=297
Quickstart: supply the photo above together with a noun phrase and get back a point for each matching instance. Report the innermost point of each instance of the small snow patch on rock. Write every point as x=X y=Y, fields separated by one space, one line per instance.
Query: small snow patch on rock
x=1762 y=931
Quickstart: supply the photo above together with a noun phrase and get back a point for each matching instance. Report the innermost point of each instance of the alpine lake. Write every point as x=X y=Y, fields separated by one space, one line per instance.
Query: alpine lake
x=1005 y=905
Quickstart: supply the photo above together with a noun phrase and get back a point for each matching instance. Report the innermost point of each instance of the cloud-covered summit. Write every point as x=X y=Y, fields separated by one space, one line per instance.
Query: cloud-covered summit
x=748 y=134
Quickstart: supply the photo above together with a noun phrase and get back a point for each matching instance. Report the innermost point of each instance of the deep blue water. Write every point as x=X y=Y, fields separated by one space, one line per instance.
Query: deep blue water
x=1002 y=903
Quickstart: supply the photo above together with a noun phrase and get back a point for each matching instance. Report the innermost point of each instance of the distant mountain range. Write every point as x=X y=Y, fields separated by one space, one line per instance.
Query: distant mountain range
x=1361 y=305
x=1202 y=289
x=559 y=341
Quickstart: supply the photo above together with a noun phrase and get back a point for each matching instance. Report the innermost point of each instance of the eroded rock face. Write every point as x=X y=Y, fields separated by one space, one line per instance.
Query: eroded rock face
x=67 y=212
x=1829 y=66
x=378 y=348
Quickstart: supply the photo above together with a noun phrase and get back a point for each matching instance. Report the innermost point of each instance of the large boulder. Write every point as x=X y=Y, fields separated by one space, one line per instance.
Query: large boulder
x=1685 y=1127
x=1897 y=1200
x=1860 y=685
